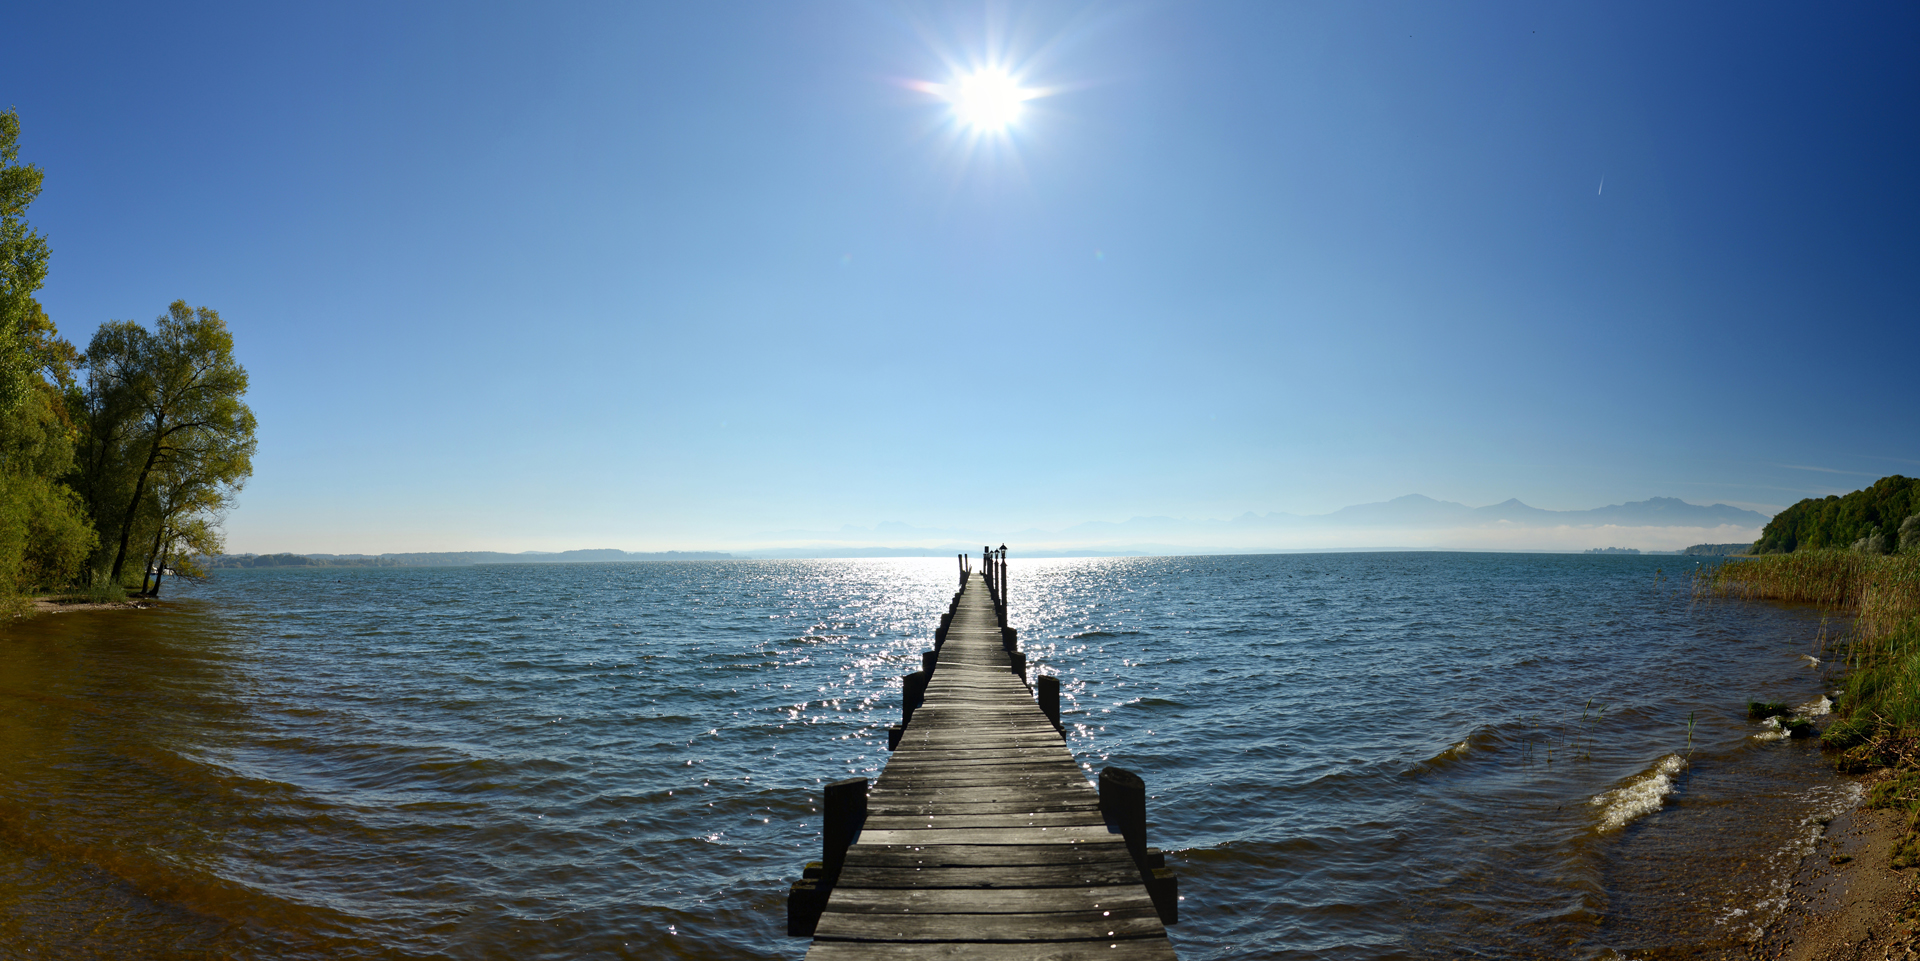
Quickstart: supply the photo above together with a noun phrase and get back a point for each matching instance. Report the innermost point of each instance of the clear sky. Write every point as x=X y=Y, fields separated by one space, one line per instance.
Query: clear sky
x=668 y=275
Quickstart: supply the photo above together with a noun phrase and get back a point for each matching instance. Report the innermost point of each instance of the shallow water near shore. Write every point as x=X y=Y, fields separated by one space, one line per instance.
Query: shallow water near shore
x=1416 y=755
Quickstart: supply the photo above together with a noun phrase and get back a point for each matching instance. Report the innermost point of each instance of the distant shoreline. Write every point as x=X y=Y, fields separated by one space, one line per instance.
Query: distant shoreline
x=478 y=558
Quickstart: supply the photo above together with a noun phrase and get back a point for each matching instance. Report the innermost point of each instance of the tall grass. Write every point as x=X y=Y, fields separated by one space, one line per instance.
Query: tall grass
x=1878 y=711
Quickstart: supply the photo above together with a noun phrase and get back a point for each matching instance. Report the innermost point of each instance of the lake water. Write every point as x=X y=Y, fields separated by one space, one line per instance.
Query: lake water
x=1415 y=755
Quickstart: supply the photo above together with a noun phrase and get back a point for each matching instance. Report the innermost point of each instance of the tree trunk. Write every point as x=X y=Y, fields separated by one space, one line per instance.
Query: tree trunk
x=152 y=556
x=160 y=571
x=133 y=506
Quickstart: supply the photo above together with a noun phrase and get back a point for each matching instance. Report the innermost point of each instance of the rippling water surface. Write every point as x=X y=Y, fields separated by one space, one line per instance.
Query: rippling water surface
x=1351 y=755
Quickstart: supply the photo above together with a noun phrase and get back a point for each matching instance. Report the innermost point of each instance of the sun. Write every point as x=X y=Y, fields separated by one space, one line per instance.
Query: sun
x=987 y=101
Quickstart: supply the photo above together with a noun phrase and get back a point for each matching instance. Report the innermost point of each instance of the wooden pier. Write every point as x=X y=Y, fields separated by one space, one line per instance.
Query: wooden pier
x=982 y=838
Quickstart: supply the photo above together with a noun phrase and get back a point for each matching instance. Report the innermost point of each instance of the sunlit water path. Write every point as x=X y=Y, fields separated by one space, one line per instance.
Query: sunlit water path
x=1353 y=755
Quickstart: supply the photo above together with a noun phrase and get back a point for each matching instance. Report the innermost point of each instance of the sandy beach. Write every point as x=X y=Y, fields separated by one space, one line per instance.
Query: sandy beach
x=1848 y=904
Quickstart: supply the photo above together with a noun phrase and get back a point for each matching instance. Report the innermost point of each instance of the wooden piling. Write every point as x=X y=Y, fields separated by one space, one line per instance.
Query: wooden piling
x=843 y=811
x=1123 y=800
x=913 y=692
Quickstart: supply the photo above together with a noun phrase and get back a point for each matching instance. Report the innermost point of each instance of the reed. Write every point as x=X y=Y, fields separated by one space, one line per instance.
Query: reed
x=1878 y=711
x=1881 y=593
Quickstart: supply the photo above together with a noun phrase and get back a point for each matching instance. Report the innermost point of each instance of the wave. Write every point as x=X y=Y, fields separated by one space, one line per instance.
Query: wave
x=1087 y=634
x=1644 y=794
x=1775 y=728
x=1483 y=737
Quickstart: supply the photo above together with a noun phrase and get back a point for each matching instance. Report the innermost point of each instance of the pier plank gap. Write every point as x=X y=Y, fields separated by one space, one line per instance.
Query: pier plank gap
x=981 y=838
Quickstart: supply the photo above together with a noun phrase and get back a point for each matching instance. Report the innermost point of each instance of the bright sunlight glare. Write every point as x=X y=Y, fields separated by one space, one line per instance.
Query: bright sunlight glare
x=988 y=100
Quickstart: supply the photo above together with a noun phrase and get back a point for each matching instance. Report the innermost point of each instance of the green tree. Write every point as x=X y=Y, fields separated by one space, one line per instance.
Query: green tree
x=1867 y=519
x=44 y=532
x=166 y=431
x=107 y=412
x=23 y=264
x=190 y=492
x=188 y=541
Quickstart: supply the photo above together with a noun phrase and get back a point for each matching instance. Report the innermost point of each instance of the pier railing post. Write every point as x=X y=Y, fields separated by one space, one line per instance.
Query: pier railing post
x=1020 y=666
x=1123 y=802
x=843 y=808
x=846 y=810
x=913 y=692
x=1047 y=689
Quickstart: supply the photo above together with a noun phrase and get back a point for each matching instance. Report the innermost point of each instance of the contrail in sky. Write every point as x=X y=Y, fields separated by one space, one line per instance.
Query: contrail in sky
x=1603 y=187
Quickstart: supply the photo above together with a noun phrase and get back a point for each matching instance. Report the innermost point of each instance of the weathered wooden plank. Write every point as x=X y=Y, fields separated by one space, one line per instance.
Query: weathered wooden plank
x=1105 y=901
x=987 y=855
x=1040 y=835
x=905 y=809
x=1067 y=788
x=1034 y=751
x=1141 y=949
x=845 y=926
x=975 y=820
x=984 y=775
x=999 y=876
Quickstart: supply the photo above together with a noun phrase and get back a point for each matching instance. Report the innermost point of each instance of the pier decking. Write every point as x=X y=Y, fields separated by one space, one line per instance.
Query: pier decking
x=982 y=838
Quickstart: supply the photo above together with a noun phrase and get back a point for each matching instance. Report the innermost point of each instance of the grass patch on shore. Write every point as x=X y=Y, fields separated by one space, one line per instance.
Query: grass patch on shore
x=1878 y=711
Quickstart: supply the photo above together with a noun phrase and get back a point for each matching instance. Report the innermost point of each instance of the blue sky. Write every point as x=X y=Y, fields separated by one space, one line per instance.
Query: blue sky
x=671 y=275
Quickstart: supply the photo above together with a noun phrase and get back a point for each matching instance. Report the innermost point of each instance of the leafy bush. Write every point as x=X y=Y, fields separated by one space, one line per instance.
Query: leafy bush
x=44 y=534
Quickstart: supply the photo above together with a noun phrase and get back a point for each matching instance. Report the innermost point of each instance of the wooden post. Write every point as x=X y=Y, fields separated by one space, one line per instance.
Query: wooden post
x=805 y=901
x=1123 y=801
x=1163 y=886
x=1048 y=688
x=926 y=661
x=845 y=808
x=1020 y=666
x=913 y=691
x=1009 y=638
x=1000 y=598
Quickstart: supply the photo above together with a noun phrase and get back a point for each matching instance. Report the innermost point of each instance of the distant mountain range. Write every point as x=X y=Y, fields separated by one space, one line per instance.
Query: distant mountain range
x=1416 y=521
x=1417 y=510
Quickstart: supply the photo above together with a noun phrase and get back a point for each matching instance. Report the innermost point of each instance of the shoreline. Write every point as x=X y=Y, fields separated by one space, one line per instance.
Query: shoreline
x=1847 y=901
x=50 y=605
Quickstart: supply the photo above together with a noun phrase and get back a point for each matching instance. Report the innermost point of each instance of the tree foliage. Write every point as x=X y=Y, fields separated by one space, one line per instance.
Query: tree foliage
x=167 y=438
x=45 y=534
x=23 y=264
x=1876 y=520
